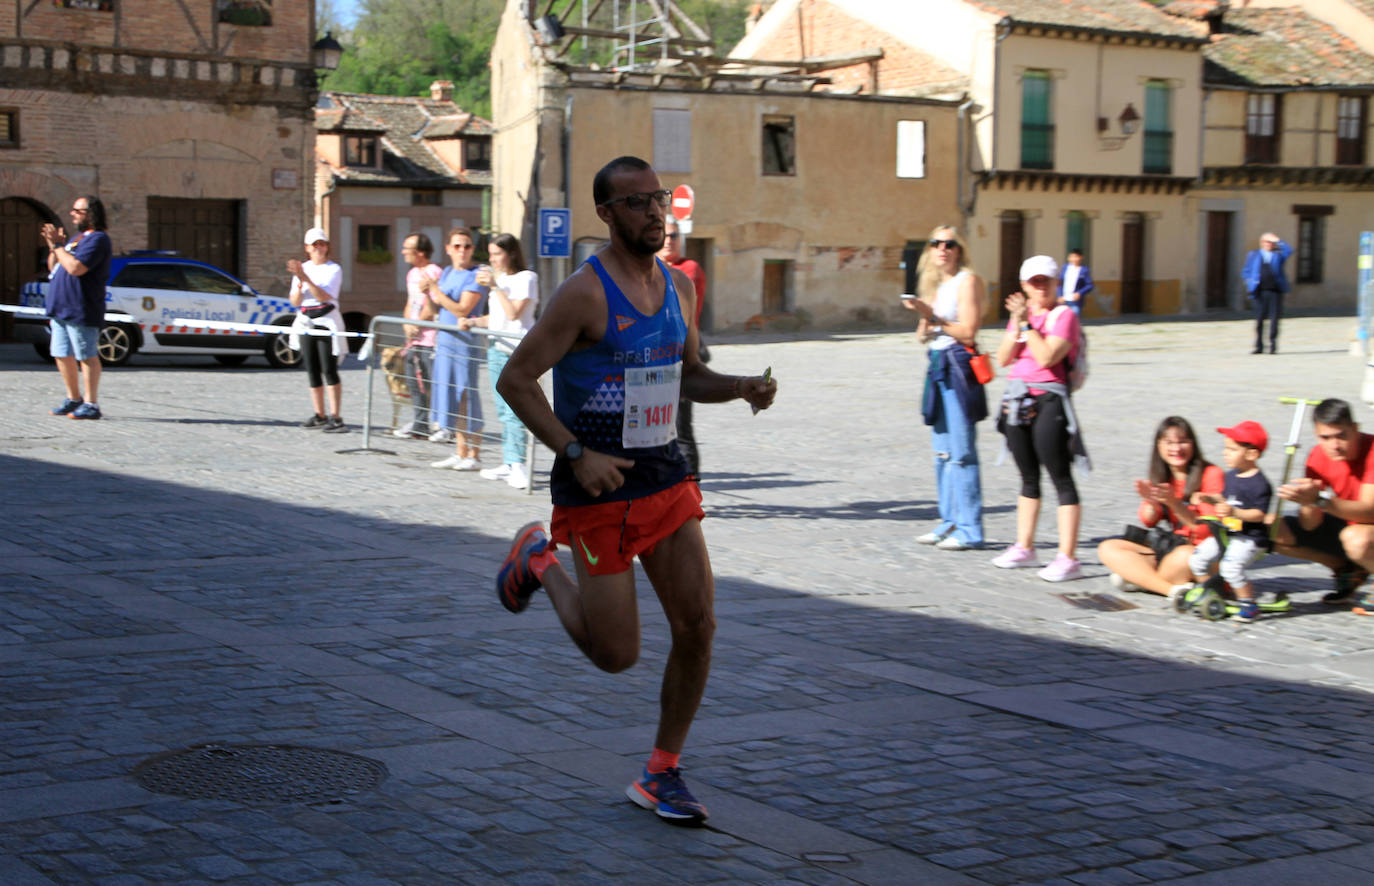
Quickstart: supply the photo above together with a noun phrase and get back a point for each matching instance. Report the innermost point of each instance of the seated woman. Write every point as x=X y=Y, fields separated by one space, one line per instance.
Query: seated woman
x=1177 y=473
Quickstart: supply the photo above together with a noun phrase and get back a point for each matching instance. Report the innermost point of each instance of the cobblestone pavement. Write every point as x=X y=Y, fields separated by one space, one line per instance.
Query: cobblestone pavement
x=196 y=569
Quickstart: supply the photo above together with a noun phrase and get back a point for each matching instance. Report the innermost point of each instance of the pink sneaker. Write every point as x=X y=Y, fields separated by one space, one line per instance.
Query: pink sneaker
x=1062 y=568
x=1015 y=557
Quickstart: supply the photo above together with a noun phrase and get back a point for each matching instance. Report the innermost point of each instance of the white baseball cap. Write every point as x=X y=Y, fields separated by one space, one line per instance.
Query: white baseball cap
x=315 y=234
x=1039 y=266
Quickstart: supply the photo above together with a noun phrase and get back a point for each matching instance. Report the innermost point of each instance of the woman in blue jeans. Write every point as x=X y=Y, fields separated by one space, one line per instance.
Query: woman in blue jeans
x=950 y=303
x=514 y=294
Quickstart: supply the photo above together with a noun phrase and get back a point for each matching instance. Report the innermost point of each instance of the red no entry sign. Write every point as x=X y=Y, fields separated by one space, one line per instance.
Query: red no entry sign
x=683 y=201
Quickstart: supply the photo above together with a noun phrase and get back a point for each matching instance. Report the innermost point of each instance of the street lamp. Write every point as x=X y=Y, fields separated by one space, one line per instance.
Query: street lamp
x=326 y=52
x=1129 y=119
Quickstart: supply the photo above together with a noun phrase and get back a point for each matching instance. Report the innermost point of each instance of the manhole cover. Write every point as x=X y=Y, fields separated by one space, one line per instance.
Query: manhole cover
x=1102 y=602
x=259 y=773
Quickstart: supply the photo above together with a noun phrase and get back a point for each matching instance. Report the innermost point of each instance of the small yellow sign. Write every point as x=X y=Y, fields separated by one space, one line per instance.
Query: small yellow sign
x=149 y=304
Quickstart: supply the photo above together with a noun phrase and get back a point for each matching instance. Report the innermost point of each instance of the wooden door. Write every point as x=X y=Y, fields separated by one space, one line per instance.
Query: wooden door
x=1218 y=260
x=23 y=254
x=1011 y=252
x=775 y=286
x=1132 y=265
x=205 y=230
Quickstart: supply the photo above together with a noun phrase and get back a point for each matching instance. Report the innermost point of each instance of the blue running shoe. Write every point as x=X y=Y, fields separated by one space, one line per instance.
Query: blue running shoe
x=1247 y=610
x=86 y=411
x=68 y=406
x=516 y=583
x=667 y=796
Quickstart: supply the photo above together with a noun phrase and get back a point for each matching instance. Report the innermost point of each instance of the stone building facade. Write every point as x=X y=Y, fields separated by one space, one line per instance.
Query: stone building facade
x=196 y=132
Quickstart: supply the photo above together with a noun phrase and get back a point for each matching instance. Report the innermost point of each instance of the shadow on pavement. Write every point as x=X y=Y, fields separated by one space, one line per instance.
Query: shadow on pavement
x=840 y=738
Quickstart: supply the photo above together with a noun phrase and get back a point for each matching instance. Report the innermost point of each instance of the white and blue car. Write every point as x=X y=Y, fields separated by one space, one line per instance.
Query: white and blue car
x=154 y=288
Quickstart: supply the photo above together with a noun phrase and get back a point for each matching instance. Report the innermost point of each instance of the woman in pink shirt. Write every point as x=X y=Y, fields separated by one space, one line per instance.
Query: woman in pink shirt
x=419 y=350
x=1037 y=415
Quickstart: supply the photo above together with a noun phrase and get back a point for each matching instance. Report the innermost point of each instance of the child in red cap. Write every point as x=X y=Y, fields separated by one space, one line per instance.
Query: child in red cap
x=1242 y=508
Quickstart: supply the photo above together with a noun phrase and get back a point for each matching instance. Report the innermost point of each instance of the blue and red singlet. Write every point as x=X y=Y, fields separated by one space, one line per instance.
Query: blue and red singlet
x=620 y=395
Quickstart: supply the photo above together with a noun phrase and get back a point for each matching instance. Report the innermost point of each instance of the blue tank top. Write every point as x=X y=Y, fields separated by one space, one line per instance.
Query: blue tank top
x=590 y=396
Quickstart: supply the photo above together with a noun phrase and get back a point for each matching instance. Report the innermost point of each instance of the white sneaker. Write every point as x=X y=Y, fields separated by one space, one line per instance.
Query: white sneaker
x=931 y=538
x=466 y=464
x=443 y=435
x=449 y=462
x=1121 y=584
x=519 y=477
x=950 y=543
x=407 y=431
x=500 y=473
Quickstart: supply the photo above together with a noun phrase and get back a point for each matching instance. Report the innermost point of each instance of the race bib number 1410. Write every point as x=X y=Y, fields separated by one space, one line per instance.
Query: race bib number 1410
x=651 y=395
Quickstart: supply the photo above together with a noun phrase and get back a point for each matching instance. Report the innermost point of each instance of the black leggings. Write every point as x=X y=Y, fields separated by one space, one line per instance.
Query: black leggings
x=317 y=352
x=1044 y=442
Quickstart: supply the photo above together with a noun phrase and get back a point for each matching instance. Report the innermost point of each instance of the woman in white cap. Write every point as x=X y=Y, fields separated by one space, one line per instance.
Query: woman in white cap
x=953 y=402
x=315 y=285
x=1037 y=416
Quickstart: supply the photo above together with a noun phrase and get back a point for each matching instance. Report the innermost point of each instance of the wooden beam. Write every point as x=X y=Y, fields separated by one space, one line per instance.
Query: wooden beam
x=633 y=38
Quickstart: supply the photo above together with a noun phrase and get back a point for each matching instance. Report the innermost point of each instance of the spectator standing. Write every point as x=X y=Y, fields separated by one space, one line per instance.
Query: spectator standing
x=951 y=309
x=315 y=285
x=513 y=297
x=75 y=304
x=1077 y=282
x=1334 y=525
x=671 y=253
x=1266 y=283
x=418 y=360
x=1037 y=416
x=454 y=404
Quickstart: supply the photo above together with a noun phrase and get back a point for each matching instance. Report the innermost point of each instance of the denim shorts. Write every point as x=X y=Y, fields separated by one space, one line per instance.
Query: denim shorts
x=73 y=339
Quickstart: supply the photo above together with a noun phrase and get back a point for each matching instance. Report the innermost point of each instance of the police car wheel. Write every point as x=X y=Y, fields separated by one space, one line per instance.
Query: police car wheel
x=278 y=351
x=116 y=345
x=41 y=349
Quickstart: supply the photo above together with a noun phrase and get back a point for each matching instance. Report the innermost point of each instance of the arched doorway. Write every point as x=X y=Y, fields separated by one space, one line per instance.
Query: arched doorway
x=22 y=251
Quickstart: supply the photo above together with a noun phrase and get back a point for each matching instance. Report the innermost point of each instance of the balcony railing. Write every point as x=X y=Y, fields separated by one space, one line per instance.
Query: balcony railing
x=1159 y=153
x=1037 y=145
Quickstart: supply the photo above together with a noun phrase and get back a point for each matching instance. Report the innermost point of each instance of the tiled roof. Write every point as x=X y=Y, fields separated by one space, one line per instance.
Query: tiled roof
x=1284 y=47
x=407 y=159
x=1111 y=16
x=455 y=125
x=344 y=120
x=1194 y=9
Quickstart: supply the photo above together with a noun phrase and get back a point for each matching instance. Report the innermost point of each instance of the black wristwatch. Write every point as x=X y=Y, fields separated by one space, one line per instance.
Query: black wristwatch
x=573 y=451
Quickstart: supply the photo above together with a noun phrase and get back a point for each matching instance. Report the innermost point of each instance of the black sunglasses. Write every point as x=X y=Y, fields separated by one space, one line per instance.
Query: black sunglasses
x=948 y=244
x=640 y=202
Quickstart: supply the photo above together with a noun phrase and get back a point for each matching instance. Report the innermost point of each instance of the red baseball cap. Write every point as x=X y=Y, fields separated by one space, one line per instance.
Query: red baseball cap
x=1251 y=433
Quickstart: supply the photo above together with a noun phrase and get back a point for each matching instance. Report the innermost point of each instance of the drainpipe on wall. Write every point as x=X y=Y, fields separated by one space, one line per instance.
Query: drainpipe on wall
x=965 y=207
x=1003 y=32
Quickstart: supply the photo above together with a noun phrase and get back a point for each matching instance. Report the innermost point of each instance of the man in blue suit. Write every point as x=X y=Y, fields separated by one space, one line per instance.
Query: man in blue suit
x=1265 y=283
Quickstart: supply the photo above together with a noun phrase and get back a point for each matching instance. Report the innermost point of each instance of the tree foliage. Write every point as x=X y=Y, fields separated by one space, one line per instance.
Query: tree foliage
x=399 y=47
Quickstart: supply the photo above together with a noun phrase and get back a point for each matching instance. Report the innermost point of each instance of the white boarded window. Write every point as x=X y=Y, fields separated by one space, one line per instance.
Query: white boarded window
x=672 y=140
x=911 y=149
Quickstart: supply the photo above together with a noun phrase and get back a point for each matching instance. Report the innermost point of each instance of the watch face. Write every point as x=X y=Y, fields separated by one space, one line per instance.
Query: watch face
x=573 y=451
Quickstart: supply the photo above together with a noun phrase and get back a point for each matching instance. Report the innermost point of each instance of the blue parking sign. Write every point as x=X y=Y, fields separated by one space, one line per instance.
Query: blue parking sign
x=555 y=233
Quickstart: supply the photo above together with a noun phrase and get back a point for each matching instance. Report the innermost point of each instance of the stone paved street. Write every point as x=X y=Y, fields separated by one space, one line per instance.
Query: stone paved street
x=196 y=569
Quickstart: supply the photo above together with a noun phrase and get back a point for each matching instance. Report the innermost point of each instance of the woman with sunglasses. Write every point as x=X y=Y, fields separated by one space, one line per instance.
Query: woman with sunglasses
x=951 y=308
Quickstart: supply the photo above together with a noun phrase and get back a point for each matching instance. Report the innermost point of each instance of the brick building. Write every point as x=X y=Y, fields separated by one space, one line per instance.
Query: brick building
x=388 y=167
x=190 y=119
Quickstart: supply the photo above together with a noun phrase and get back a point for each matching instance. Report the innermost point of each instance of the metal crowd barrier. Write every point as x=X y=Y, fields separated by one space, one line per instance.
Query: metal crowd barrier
x=386 y=356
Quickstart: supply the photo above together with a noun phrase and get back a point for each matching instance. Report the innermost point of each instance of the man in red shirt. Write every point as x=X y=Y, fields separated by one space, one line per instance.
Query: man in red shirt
x=671 y=253
x=1335 y=521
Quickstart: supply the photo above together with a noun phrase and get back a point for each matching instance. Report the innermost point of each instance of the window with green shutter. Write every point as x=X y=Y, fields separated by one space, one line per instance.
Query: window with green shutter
x=1159 y=128
x=1037 y=122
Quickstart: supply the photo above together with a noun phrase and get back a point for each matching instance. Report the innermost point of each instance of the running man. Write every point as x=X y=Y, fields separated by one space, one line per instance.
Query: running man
x=620 y=337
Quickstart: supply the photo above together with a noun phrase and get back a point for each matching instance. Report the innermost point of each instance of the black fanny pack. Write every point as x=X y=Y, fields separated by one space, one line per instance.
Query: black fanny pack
x=318 y=311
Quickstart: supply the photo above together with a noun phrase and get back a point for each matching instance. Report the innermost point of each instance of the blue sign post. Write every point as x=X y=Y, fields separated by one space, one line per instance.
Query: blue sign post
x=555 y=233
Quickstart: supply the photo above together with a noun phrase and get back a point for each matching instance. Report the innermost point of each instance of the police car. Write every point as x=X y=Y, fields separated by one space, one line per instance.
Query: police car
x=154 y=288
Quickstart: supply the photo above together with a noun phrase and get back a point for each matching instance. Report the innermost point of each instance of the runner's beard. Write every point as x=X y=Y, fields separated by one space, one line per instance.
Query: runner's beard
x=642 y=242
x=85 y=223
